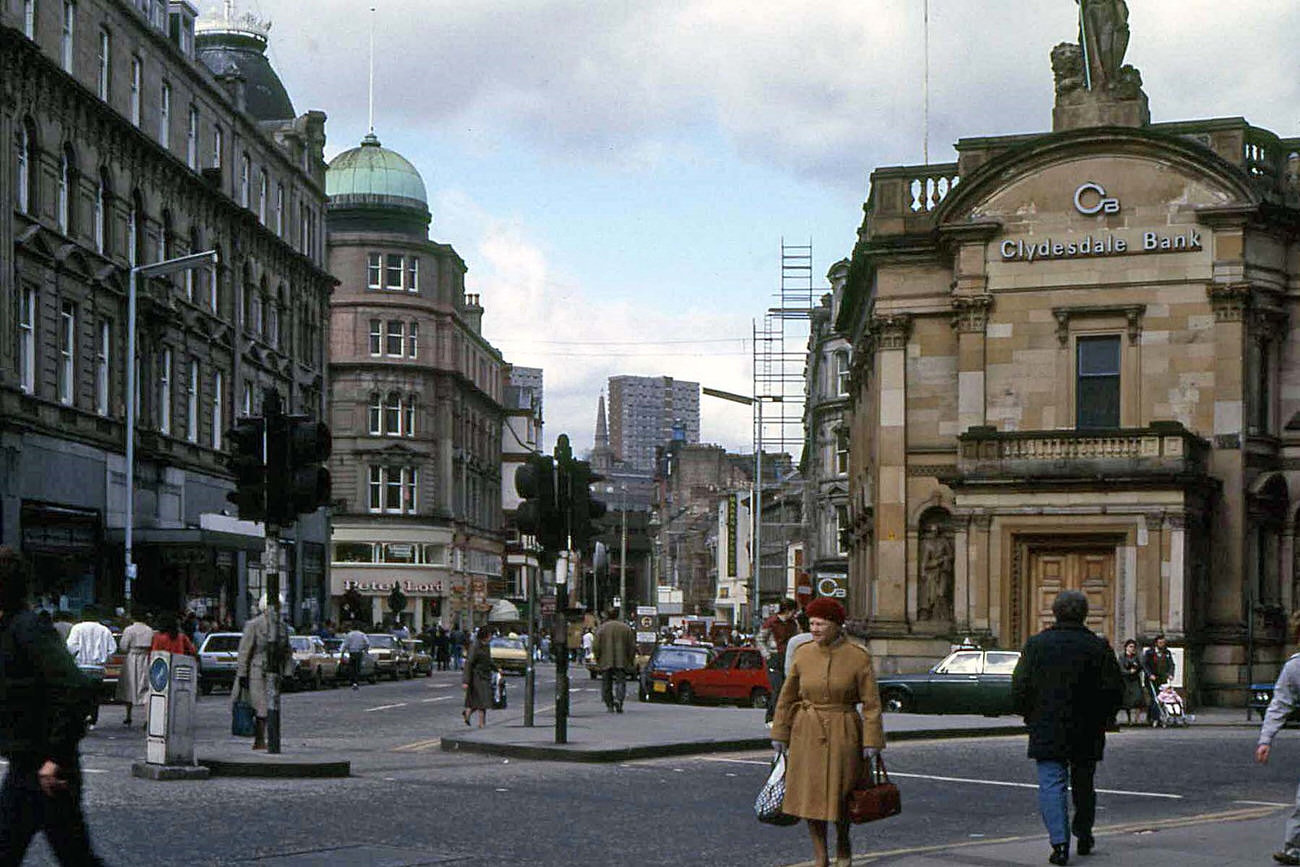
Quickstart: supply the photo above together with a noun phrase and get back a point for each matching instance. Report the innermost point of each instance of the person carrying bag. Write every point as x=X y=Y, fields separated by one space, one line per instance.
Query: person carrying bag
x=874 y=797
x=767 y=806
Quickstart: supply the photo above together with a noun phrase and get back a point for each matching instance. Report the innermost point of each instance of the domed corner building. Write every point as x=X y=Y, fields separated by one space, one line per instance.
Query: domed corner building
x=1075 y=367
x=417 y=404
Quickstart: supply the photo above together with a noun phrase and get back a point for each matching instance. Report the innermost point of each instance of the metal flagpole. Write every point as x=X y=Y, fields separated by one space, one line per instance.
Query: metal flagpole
x=1083 y=43
x=925 y=91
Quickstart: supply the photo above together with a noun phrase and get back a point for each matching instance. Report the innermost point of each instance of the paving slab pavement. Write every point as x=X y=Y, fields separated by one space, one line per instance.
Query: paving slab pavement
x=653 y=729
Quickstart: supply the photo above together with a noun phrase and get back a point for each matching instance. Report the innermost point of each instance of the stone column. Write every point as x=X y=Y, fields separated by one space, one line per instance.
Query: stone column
x=983 y=615
x=970 y=319
x=891 y=569
x=961 y=577
x=1175 y=527
x=1226 y=607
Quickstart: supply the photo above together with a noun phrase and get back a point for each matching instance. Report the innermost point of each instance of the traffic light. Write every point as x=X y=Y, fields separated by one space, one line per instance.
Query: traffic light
x=310 y=444
x=584 y=509
x=539 y=514
x=296 y=446
x=247 y=440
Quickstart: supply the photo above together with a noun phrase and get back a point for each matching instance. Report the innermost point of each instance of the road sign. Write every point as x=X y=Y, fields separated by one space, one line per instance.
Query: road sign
x=833 y=584
x=548 y=604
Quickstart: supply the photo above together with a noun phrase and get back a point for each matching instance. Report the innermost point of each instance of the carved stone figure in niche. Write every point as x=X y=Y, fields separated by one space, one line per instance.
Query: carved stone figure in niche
x=935 y=590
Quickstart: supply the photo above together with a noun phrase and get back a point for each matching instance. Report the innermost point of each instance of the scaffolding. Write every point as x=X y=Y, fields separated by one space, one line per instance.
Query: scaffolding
x=780 y=352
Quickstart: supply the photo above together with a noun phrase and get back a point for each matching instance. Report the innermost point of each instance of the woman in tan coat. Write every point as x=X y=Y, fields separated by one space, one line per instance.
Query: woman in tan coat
x=819 y=722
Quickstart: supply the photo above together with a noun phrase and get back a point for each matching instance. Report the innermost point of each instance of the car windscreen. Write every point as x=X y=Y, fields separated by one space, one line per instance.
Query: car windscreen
x=512 y=643
x=680 y=659
x=221 y=644
x=300 y=643
x=382 y=642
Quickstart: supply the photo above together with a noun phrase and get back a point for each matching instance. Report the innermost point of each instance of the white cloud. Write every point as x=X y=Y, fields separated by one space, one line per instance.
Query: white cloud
x=541 y=318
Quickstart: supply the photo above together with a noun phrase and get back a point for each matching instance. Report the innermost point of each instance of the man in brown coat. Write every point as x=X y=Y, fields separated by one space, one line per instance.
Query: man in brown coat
x=615 y=652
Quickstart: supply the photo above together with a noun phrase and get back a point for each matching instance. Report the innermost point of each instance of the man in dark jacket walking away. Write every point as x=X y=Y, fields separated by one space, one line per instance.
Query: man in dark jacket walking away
x=615 y=649
x=43 y=704
x=1067 y=686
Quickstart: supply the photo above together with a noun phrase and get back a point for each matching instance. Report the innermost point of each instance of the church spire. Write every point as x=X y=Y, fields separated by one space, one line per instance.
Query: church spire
x=602 y=429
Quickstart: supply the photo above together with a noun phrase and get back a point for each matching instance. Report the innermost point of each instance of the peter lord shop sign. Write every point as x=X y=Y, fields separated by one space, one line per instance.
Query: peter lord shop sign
x=1090 y=199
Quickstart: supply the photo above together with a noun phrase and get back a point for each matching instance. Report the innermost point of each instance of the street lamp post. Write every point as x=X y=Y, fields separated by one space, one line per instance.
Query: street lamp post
x=157 y=269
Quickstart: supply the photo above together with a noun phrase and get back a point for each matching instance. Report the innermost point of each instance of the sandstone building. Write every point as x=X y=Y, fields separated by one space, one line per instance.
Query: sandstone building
x=1075 y=365
x=416 y=402
x=134 y=134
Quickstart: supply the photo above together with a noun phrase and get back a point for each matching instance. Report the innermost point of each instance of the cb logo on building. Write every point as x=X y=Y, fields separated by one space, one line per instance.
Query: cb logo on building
x=1091 y=199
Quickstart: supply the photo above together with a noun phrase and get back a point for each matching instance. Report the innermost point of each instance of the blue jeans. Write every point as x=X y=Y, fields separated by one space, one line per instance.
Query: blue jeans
x=1052 y=779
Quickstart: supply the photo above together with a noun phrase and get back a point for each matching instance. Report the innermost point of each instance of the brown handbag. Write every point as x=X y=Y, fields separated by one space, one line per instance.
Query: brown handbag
x=874 y=797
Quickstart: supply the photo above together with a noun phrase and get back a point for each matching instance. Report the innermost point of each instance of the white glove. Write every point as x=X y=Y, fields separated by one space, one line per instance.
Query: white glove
x=780 y=748
x=871 y=753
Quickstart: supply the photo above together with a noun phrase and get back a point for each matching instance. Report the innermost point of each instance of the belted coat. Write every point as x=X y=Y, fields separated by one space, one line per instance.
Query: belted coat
x=817 y=714
x=260 y=633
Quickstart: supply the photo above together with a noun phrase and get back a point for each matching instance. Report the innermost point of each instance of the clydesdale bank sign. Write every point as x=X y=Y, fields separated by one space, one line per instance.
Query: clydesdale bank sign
x=1089 y=199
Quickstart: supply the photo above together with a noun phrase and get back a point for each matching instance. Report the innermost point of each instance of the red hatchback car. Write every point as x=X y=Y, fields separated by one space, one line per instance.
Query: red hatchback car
x=735 y=674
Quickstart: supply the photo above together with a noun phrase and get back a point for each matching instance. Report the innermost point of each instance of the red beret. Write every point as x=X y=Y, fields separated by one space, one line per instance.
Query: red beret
x=825 y=609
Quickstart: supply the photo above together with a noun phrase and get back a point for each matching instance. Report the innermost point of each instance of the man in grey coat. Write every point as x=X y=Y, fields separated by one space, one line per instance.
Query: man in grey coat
x=615 y=650
x=1286 y=698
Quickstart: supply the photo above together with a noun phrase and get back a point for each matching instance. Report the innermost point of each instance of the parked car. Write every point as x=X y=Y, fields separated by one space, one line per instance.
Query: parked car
x=966 y=681
x=666 y=659
x=421 y=661
x=509 y=653
x=734 y=674
x=390 y=656
x=343 y=668
x=313 y=666
x=217 y=659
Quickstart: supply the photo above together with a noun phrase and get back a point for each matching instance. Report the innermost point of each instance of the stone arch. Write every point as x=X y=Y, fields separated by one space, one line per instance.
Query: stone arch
x=1268 y=509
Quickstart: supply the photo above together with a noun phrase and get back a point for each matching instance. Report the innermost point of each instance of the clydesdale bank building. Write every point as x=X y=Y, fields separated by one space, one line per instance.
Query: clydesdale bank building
x=1075 y=365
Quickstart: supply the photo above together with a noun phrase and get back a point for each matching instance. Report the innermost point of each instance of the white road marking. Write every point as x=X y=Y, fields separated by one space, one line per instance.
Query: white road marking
x=384 y=707
x=995 y=782
x=1264 y=803
x=439 y=698
x=1028 y=785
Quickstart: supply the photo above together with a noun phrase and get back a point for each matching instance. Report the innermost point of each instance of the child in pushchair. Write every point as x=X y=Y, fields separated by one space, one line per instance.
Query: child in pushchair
x=1169 y=707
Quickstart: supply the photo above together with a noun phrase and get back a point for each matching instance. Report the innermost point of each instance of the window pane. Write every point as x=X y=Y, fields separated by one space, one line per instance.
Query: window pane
x=1098 y=401
x=373 y=268
x=393 y=279
x=1099 y=356
x=376 y=337
x=376 y=488
x=396 y=337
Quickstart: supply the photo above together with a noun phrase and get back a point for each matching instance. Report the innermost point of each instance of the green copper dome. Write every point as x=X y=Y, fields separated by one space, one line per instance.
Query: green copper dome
x=371 y=174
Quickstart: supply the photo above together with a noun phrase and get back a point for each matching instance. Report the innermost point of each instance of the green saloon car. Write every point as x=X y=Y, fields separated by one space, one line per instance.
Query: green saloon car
x=966 y=681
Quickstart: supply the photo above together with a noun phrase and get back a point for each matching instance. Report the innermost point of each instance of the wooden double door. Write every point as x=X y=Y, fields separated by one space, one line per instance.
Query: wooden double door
x=1088 y=568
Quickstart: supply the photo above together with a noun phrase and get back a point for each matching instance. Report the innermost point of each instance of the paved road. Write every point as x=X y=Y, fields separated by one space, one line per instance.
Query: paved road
x=412 y=804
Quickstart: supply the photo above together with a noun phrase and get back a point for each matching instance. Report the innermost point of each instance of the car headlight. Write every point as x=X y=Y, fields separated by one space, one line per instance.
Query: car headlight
x=1263 y=697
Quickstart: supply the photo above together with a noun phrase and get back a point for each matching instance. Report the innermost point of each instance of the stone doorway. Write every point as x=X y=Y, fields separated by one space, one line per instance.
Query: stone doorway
x=1087 y=566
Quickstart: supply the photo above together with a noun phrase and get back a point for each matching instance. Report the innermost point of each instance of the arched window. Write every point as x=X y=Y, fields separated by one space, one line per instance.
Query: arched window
x=375 y=416
x=408 y=420
x=262 y=196
x=245 y=170
x=194 y=277
x=137 y=230
x=67 y=181
x=25 y=169
x=393 y=414
x=102 y=195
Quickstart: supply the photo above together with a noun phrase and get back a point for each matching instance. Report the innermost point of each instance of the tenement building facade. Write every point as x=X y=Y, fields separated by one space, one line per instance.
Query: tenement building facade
x=130 y=138
x=417 y=403
x=1075 y=366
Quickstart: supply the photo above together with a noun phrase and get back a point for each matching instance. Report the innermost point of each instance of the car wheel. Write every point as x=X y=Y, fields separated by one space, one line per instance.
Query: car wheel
x=685 y=695
x=898 y=701
x=758 y=698
x=318 y=682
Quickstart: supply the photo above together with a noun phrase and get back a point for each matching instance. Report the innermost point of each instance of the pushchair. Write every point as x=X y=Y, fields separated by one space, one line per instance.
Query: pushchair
x=1168 y=705
x=498 y=690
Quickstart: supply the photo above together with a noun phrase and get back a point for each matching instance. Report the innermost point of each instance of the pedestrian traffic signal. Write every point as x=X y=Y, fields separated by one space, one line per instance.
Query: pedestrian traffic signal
x=584 y=509
x=247 y=443
x=539 y=514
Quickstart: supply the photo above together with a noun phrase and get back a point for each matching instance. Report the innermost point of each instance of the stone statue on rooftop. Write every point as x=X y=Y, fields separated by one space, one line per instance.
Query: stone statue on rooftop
x=1103 y=35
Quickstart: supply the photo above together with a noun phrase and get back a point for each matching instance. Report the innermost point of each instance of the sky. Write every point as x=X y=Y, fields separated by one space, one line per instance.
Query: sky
x=619 y=175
